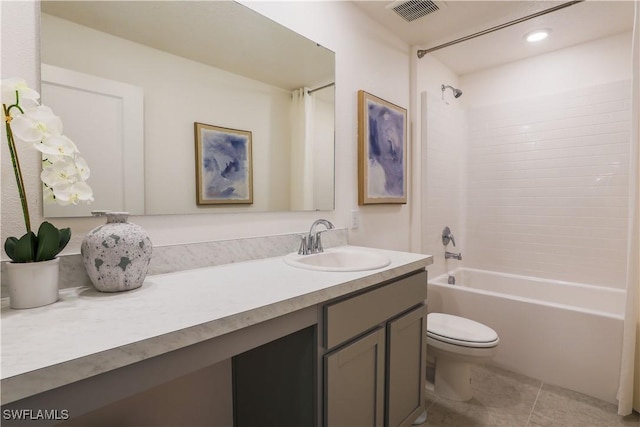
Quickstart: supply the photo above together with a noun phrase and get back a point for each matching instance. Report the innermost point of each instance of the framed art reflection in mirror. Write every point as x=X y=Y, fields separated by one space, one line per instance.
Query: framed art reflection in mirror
x=223 y=165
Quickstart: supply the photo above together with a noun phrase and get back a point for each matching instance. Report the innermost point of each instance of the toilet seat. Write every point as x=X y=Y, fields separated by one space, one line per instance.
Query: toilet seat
x=459 y=331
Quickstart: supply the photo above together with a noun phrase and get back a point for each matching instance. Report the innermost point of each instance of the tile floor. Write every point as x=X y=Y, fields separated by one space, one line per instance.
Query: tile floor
x=502 y=398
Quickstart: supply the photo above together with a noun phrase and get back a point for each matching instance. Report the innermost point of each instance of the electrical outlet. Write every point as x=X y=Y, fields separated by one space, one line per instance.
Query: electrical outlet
x=355 y=219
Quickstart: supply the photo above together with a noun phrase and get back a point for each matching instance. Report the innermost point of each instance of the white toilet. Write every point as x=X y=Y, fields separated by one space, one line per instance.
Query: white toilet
x=456 y=343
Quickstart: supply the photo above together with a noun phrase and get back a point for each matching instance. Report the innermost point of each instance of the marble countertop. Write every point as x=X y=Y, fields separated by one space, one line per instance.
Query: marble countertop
x=88 y=332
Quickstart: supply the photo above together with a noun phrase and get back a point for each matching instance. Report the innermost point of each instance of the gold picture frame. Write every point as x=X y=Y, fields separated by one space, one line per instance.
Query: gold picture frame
x=382 y=151
x=224 y=169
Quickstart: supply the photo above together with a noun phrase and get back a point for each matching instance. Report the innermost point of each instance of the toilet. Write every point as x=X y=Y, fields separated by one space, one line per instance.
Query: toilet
x=456 y=343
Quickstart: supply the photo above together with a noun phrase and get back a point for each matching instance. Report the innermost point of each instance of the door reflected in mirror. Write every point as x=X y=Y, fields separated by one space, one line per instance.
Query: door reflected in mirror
x=218 y=63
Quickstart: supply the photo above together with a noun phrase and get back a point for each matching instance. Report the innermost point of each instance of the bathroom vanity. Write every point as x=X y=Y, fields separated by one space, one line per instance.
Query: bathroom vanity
x=239 y=344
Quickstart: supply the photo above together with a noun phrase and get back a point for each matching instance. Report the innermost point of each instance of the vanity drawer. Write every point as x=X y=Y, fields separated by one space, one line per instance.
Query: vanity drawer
x=349 y=318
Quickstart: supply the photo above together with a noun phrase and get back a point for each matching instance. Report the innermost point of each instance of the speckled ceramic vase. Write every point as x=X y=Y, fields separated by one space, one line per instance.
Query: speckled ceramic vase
x=116 y=255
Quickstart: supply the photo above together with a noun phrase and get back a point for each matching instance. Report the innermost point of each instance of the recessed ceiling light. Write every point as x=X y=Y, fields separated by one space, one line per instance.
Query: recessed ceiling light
x=537 y=35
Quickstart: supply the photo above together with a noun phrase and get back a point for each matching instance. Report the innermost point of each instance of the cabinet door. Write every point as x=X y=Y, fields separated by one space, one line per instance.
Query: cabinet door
x=354 y=383
x=406 y=364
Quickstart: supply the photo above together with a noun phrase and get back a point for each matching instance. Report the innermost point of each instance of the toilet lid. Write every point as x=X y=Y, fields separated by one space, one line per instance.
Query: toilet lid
x=460 y=331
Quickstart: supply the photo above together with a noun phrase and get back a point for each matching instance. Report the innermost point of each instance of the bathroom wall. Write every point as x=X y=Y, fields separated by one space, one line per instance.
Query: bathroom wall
x=443 y=165
x=547 y=154
x=589 y=64
x=340 y=27
x=543 y=169
x=547 y=186
x=440 y=159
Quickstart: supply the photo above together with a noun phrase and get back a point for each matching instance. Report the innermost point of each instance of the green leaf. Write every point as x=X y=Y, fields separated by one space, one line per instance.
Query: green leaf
x=10 y=247
x=65 y=236
x=48 y=242
x=25 y=249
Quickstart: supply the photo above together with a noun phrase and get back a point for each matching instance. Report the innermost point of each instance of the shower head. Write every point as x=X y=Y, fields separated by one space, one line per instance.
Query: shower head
x=457 y=93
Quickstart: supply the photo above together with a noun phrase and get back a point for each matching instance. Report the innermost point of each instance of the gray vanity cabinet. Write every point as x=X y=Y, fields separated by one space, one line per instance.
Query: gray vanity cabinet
x=406 y=366
x=375 y=360
x=354 y=382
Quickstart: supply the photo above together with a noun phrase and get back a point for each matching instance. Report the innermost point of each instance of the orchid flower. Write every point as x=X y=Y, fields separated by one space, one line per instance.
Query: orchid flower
x=36 y=124
x=63 y=175
x=13 y=85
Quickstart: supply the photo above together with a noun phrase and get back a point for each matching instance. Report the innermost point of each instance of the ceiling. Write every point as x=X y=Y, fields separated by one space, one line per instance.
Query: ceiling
x=579 y=23
x=222 y=34
x=575 y=24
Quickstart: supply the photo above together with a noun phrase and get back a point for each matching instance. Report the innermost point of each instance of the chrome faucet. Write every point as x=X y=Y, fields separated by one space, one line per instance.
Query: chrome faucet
x=311 y=243
x=450 y=255
x=447 y=236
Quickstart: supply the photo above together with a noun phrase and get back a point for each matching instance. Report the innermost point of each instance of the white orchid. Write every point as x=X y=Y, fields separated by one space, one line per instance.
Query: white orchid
x=65 y=181
x=36 y=124
x=63 y=175
x=62 y=167
x=57 y=146
x=74 y=193
x=25 y=93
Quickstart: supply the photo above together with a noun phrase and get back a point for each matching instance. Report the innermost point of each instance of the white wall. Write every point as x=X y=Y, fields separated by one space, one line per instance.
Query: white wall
x=440 y=159
x=547 y=176
x=589 y=64
x=368 y=57
x=443 y=164
x=544 y=166
x=547 y=186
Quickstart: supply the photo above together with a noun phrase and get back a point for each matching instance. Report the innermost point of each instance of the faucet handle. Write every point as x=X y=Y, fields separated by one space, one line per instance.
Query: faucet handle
x=304 y=248
x=447 y=236
x=317 y=243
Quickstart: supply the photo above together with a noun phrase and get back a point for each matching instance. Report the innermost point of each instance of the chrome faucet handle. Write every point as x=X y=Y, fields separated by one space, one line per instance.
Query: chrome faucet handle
x=447 y=236
x=304 y=248
x=317 y=243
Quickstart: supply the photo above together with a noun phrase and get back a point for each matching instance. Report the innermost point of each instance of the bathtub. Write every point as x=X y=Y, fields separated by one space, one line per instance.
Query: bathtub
x=561 y=333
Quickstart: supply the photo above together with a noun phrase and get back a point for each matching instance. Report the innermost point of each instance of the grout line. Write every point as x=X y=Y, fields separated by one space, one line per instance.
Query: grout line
x=533 y=407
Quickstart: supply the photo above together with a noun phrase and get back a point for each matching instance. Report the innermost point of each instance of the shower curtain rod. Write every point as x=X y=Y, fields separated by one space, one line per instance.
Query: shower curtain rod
x=423 y=52
x=310 y=91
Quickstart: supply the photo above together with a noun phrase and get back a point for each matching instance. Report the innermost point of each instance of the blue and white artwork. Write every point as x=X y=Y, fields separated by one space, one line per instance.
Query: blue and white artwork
x=385 y=140
x=224 y=165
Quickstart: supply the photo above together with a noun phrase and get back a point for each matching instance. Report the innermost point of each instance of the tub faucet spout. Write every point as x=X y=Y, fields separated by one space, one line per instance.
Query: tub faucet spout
x=451 y=255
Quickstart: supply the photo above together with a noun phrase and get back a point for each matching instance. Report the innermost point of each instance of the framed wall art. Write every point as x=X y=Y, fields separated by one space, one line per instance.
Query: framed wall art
x=223 y=165
x=382 y=151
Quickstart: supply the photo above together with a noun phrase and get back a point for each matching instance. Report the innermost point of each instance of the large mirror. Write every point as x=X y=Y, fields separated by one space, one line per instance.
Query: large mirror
x=131 y=78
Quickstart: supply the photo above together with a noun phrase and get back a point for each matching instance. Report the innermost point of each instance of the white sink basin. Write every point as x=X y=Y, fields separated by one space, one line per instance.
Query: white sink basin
x=339 y=259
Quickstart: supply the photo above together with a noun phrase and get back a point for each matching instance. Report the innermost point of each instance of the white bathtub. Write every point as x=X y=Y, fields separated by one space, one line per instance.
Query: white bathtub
x=561 y=333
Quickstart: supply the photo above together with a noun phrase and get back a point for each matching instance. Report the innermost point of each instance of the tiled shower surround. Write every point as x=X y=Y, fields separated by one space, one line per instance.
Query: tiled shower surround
x=544 y=185
x=547 y=186
x=442 y=181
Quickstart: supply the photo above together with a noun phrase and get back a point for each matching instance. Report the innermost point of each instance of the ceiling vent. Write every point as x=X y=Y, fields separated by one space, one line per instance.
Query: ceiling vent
x=410 y=10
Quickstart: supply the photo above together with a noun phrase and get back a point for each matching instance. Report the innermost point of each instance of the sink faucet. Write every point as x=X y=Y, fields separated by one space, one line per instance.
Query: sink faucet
x=311 y=243
x=449 y=255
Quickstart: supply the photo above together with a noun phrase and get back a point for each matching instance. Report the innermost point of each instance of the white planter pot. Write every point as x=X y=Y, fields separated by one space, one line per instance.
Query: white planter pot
x=33 y=284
